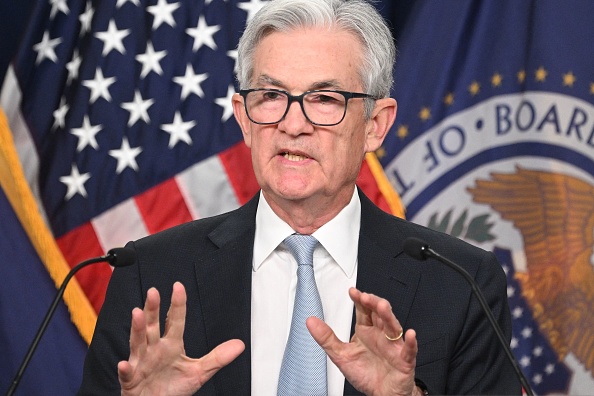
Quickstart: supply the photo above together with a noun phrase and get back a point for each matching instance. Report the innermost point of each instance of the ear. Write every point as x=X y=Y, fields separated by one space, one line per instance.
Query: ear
x=242 y=118
x=381 y=121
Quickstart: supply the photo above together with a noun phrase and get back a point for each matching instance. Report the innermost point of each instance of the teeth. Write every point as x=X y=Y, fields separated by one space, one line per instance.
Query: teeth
x=294 y=157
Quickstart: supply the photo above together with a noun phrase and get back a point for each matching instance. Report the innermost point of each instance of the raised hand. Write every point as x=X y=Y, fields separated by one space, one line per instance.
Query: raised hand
x=371 y=362
x=158 y=365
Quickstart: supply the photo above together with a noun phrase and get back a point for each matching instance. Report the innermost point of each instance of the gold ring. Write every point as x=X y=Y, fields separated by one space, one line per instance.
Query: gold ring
x=395 y=338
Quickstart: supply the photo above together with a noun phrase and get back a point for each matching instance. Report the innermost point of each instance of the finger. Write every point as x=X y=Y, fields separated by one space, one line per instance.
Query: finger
x=362 y=313
x=137 y=336
x=378 y=322
x=176 y=316
x=389 y=324
x=324 y=336
x=151 y=312
x=374 y=304
x=410 y=349
x=125 y=373
x=381 y=314
x=219 y=357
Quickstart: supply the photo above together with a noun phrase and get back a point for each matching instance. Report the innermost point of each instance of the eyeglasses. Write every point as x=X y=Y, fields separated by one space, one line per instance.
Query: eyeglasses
x=320 y=107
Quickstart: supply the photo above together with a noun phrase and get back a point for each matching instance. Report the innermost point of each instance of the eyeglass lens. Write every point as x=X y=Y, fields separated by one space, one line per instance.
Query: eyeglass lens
x=320 y=107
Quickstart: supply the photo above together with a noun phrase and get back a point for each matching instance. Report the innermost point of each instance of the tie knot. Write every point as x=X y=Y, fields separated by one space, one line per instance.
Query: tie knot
x=301 y=247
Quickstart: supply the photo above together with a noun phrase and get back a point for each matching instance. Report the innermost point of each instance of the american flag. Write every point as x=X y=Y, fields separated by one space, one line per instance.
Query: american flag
x=121 y=114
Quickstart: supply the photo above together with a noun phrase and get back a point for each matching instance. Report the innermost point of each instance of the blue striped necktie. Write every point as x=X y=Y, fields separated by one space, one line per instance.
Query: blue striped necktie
x=303 y=371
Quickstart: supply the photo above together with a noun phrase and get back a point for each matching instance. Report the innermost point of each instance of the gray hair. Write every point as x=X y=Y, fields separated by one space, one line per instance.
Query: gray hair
x=356 y=16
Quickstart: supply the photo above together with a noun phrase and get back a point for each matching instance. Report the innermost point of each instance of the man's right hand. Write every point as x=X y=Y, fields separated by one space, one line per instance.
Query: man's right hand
x=159 y=365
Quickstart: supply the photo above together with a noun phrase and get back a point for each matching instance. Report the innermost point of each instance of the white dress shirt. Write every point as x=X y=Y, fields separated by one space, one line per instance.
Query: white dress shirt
x=274 y=281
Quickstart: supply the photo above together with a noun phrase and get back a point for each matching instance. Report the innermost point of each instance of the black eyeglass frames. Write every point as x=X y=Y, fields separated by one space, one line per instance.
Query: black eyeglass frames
x=321 y=107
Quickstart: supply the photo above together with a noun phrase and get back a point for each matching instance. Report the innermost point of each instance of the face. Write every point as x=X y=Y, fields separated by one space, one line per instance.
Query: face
x=295 y=161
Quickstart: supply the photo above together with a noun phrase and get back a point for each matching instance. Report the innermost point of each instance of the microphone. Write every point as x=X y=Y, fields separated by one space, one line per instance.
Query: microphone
x=420 y=250
x=117 y=257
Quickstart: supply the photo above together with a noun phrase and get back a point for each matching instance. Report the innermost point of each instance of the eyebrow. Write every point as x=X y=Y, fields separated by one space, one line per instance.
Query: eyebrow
x=265 y=79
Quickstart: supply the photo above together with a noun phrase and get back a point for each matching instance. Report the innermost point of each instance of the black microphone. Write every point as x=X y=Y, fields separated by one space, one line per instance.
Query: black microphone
x=420 y=250
x=117 y=257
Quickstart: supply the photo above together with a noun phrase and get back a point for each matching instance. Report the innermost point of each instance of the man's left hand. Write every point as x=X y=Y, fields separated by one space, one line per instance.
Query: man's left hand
x=371 y=362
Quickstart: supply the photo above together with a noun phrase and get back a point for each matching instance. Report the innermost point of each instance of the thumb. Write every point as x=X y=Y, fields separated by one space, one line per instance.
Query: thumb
x=324 y=336
x=221 y=356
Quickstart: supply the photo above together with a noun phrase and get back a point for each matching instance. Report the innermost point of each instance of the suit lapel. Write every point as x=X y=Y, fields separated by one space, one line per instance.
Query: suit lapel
x=382 y=265
x=224 y=278
x=384 y=269
x=387 y=276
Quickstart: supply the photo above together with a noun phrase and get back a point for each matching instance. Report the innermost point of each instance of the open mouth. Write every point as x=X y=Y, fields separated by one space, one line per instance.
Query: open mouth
x=294 y=157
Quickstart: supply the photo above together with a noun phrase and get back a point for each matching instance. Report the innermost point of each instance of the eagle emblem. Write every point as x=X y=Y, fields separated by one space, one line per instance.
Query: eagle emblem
x=555 y=215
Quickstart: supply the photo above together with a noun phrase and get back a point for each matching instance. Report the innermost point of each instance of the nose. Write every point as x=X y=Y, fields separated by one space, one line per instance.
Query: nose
x=295 y=122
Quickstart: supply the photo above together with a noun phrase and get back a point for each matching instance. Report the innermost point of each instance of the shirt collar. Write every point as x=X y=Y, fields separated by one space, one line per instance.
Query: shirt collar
x=339 y=236
x=270 y=232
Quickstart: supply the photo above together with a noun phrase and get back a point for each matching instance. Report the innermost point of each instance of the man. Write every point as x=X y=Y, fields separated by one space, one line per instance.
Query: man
x=315 y=76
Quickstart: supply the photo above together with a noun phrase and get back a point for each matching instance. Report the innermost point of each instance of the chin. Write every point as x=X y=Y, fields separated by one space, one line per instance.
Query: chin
x=292 y=192
x=294 y=195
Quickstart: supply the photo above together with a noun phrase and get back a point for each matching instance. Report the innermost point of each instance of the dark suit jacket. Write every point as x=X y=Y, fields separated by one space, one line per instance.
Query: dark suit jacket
x=458 y=351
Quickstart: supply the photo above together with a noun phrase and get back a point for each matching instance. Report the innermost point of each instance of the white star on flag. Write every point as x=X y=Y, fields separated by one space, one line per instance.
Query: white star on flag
x=514 y=343
x=122 y=2
x=86 y=18
x=517 y=312
x=525 y=361
x=233 y=55
x=190 y=82
x=99 y=86
x=150 y=60
x=73 y=67
x=251 y=7
x=226 y=104
x=58 y=5
x=163 y=13
x=112 y=38
x=138 y=108
x=203 y=34
x=46 y=48
x=86 y=134
x=60 y=114
x=179 y=130
x=126 y=156
x=75 y=183
x=527 y=332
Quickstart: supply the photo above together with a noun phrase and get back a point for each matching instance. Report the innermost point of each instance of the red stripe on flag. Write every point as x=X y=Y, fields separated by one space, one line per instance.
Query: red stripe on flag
x=237 y=162
x=366 y=181
x=163 y=206
x=81 y=244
